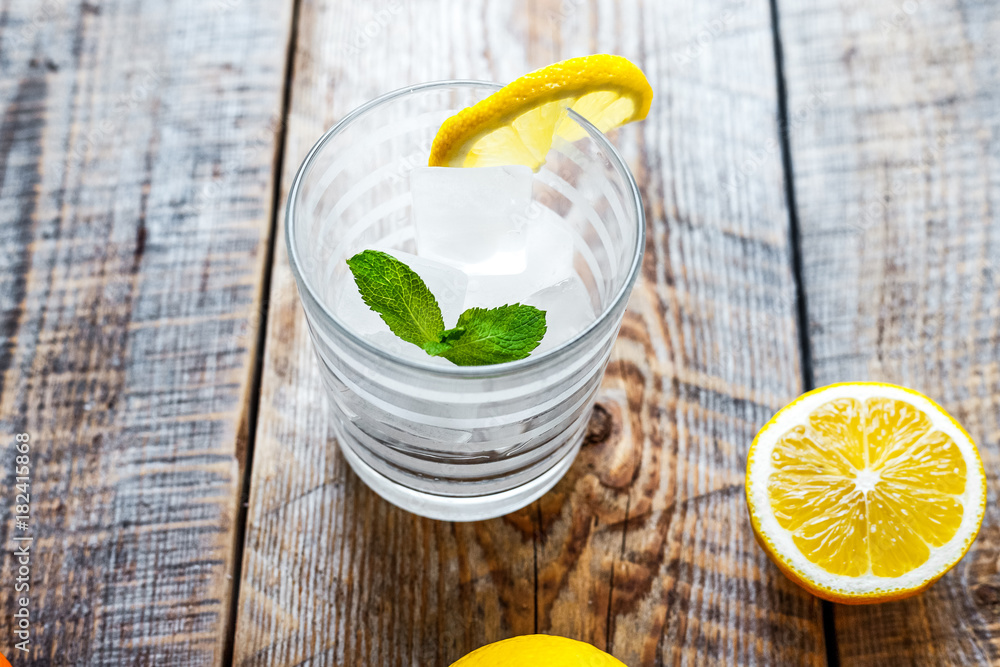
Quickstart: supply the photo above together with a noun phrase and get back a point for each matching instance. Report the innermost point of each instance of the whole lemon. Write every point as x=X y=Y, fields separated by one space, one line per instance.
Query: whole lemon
x=546 y=650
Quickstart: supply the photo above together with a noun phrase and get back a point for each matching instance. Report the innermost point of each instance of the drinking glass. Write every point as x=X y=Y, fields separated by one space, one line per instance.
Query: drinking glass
x=451 y=442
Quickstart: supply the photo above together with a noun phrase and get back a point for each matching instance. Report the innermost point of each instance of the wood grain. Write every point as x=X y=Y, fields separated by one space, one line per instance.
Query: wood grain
x=644 y=548
x=136 y=150
x=898 y=183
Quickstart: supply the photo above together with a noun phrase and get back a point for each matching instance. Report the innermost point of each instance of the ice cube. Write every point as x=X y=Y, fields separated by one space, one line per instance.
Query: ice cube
x=549 y=261
x=397 y=347
x=493 y=291
x=472 y=219
x=568 y=311
x=550 y=254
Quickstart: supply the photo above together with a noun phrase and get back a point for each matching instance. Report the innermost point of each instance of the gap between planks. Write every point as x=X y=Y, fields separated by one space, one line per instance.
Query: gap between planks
x=795 y=242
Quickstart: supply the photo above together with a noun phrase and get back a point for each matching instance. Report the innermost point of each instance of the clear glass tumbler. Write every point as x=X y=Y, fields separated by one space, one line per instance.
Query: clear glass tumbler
x=456 y=443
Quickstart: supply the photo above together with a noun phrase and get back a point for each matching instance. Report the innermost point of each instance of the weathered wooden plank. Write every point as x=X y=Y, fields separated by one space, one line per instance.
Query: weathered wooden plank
x=644 y=548
x=897 y=177
x=136 y=150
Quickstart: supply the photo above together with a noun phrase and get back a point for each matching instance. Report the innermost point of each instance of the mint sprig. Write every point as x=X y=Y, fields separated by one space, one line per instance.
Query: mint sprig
x=481 y=336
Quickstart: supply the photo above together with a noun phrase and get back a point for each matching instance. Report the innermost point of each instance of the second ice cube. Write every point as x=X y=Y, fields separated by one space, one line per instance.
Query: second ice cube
x=568 y=311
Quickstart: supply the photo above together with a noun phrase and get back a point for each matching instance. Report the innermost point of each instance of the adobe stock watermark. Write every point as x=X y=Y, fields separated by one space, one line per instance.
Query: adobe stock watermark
x=706 y=34
x=876 y=210
x=227 y=5
x=416 y=158
x=907 y=354
x=901 y=15
x=261 y=140
x=752 y=163
x=702 y=37
x=566 y=10
x=364 y=35
x=138 y=93
x=47 y=10
x=23 y=542
x=760 y=326
x=246 y=330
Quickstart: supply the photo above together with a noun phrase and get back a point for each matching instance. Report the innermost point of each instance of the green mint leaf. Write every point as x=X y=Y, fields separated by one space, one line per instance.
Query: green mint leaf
x=399 y=296
x=483 y=337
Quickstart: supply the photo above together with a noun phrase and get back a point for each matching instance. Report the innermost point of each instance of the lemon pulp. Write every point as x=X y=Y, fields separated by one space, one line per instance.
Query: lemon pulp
x=867 y=487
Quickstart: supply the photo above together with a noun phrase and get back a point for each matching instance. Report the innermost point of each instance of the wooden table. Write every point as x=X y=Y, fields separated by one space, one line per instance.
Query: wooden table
x=822 y=186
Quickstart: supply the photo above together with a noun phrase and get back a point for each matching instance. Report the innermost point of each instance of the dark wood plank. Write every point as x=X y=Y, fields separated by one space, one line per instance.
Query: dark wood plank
x=136 y=150
x=644 y=548
x=897 y=177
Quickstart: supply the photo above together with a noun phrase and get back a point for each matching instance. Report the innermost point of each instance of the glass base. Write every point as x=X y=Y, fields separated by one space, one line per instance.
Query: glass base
x=452 y=508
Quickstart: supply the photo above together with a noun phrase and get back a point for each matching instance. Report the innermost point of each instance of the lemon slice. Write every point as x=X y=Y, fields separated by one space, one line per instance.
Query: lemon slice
x=547 y=650
x=864 y=492
x=517 y=124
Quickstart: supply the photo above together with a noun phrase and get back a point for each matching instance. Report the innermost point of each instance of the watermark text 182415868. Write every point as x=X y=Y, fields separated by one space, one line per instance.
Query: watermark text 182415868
x=22 y=541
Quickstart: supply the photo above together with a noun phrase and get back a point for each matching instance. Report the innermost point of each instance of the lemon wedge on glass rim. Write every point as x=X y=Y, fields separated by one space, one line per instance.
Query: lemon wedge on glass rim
x=864 y=492
x=517 y=124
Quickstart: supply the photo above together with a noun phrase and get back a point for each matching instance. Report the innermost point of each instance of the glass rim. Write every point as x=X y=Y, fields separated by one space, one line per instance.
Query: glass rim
x=474 y=372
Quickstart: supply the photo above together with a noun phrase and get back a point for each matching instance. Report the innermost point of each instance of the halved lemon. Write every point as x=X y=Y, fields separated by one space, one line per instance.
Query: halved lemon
x=547 y=650
x=517 y=124
x=864 y=492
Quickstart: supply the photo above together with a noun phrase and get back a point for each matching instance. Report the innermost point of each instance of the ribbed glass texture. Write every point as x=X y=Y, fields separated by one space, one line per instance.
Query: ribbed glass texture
x=456 y=443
